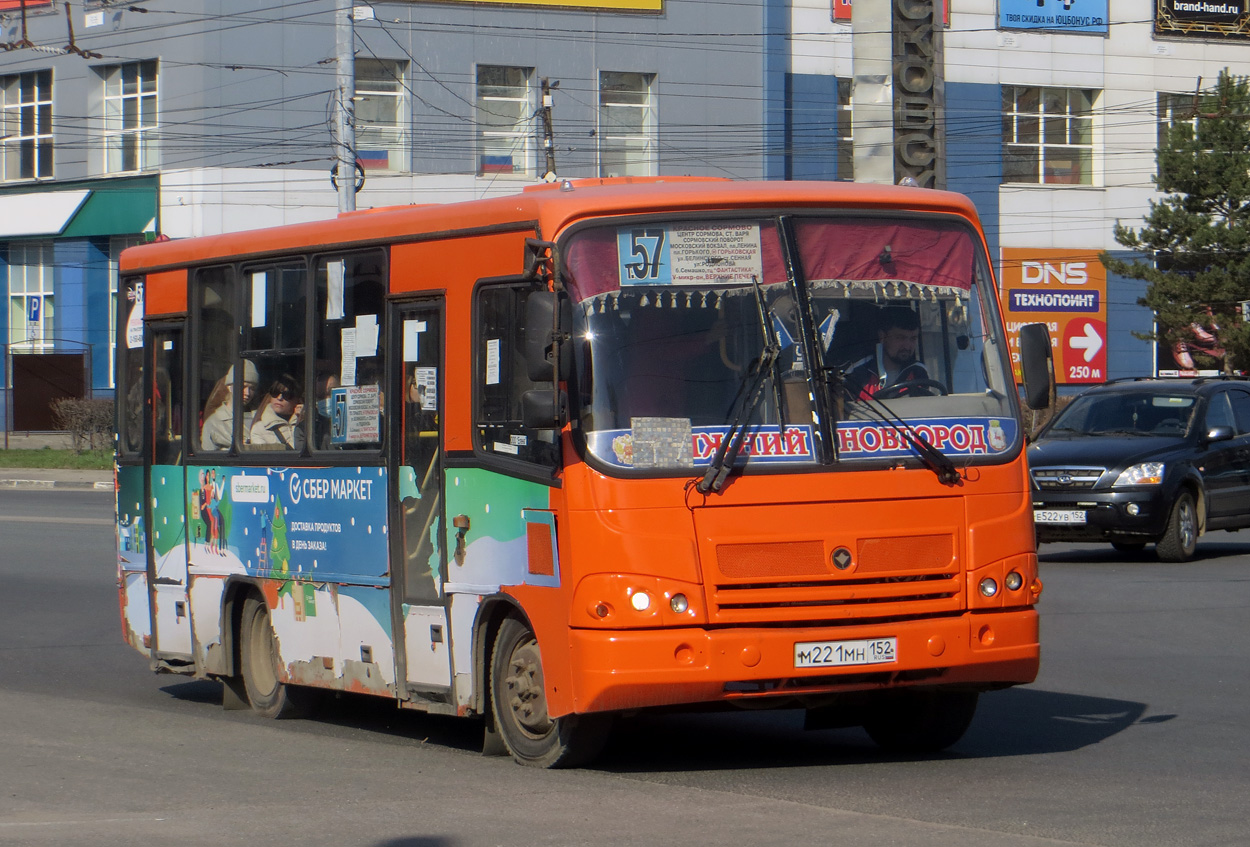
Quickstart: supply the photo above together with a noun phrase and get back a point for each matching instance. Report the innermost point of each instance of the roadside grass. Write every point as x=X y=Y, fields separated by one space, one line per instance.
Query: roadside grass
x=48 y=457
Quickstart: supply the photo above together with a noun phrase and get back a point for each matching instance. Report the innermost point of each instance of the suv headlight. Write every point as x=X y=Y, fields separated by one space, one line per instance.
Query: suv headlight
x=1147 y=473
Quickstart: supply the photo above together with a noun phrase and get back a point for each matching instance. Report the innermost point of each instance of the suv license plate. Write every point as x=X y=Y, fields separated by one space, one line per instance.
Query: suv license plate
x=831 y=654
x=1067 y=516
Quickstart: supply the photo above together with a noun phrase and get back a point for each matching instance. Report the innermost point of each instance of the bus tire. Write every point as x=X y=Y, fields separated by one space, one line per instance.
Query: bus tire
x=519 y=703
x=258 y=649
x=921 y=721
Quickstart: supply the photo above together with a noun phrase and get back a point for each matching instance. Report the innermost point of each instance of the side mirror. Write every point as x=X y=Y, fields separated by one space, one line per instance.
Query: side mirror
x=548 y=322
x=1219 y=433
x=1038 y=365
x=544 y=408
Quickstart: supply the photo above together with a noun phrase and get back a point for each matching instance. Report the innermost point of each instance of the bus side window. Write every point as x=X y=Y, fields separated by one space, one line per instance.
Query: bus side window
x=214 y=388
x=501 y=377
x=346 y=399
x=273 y=340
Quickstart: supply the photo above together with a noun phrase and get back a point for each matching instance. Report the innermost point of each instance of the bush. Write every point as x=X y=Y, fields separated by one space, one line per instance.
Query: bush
x=89 y=422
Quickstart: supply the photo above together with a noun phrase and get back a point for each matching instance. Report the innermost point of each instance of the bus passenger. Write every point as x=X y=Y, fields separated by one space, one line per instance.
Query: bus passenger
x=278 y=415
x=218 y=427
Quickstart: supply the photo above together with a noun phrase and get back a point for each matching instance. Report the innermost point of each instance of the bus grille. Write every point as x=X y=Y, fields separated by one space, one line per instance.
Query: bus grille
x=797 y=581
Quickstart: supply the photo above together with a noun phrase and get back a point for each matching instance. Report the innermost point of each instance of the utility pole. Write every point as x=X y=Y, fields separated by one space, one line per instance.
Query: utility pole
x=548 y=134
x=345 y=111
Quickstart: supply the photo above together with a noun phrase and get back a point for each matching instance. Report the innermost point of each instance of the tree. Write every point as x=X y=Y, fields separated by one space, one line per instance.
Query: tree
x=1197 y=236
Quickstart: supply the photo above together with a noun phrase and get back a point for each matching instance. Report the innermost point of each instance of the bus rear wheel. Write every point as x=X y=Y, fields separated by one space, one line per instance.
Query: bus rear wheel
x=268 y=695
x=519 y=702
x=918 y=721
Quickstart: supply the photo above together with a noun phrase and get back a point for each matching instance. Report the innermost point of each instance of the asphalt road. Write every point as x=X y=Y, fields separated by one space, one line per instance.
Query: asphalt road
x=1134 y=735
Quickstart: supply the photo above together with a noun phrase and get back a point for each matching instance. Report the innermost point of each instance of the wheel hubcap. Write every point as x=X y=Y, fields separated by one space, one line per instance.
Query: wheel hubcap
x=524 y=686
x=1188 y=526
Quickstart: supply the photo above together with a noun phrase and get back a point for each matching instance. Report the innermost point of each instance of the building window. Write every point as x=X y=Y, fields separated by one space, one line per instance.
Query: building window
x=505 y=113
x=381 y=115
x=1048 y=135
x=626 y=124
x=31 y=304
x=130 y=117
x=26 y=127
x=1172 y=110
x=846 y=142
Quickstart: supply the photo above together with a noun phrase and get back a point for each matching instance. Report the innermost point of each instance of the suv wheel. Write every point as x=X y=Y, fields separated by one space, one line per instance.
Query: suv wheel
x=1181 y=537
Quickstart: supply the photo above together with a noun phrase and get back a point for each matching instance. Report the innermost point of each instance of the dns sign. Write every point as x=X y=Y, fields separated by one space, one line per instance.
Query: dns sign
x=1067 y=291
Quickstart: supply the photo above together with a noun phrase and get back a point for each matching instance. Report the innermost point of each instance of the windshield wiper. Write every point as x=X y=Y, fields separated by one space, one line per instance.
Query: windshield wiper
x=931 y=457
x=750 y=392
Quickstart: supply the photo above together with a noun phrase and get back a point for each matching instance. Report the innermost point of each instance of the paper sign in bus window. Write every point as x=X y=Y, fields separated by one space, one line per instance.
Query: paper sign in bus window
x=427 y=388
x=134 y=321
x=347 y=368
x=689 y=254
x=492 y=361
x=355 y=415
x=334 y=290
x=366 y=336
x=260 y=290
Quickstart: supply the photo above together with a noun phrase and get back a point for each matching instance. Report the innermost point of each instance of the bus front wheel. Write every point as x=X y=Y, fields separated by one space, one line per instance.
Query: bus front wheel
x=268 y=695
x=921 y=721
x=519 y=701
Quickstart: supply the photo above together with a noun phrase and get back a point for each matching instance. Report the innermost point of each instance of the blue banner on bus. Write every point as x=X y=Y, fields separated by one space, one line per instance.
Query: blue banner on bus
x=952 y=436
x=289 y=523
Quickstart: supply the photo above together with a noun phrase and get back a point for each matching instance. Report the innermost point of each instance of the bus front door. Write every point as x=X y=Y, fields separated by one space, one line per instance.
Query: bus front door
x=419 y=558
x=165 y=512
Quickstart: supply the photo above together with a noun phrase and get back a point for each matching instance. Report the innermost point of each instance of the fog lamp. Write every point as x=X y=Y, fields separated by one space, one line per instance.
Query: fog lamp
x=989 y=587
x=1133 y=509
x=640 y=600
x=1013 y=581
x=679 y=603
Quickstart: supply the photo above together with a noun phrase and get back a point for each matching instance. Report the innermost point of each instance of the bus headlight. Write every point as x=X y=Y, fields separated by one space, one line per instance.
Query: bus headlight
x=631 y=601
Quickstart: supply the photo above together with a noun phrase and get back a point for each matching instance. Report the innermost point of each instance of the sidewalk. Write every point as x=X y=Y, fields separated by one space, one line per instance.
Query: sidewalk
x=42 y=479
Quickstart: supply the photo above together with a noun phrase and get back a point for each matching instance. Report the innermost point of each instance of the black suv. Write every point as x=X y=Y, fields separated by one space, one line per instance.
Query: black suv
x=1145 y=461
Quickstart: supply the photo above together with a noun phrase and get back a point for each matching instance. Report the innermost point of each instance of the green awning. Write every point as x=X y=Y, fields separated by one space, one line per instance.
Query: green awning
x=125 y=209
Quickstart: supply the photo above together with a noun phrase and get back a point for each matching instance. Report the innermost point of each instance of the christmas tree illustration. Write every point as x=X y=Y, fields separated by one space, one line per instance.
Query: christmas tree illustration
x=280 y=552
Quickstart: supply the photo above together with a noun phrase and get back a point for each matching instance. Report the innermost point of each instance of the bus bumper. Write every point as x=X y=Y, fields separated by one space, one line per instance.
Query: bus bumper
x=618 y=670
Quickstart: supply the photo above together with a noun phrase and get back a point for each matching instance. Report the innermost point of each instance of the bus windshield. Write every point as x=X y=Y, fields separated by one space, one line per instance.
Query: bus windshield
x=819 y=334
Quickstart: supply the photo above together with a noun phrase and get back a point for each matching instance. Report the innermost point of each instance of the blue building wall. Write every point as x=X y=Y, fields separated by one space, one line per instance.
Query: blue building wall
x=1128 y=356
x=776 y=63
x=811 y=126
x=974 y=151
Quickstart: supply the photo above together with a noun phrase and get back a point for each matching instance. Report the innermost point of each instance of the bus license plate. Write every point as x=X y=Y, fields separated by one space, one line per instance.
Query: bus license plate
x=1068 y=516
x=831 y=654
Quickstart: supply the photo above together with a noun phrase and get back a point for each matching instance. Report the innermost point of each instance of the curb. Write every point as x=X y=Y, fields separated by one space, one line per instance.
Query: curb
x=54 y=484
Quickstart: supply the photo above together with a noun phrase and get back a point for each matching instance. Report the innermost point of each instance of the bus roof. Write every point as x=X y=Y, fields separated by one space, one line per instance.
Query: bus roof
x=548 y=208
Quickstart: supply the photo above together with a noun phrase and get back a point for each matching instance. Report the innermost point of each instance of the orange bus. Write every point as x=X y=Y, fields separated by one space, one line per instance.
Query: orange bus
x=603 y=446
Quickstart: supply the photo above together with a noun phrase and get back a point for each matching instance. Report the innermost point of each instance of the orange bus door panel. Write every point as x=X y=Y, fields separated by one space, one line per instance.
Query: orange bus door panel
x=832 y=561
x=166 y=527
x=426 y=637
x=496 y=541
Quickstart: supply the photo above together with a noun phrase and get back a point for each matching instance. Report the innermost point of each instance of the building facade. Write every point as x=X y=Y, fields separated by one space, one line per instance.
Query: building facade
x=176 y=118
